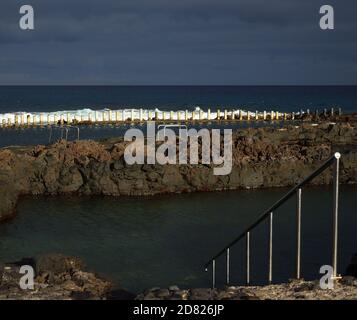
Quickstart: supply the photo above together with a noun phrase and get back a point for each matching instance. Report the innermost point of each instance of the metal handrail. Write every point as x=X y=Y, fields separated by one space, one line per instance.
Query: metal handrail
x=62 y=128
x=269 y=213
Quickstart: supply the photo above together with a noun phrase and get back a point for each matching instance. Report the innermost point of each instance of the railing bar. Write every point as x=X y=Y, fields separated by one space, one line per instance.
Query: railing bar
x=271 y=247
x=325 y=165
x=335 y=213
x=213 y=274
x=228 y=262
x=248 y=259
x=298 y=234
x=50 y=138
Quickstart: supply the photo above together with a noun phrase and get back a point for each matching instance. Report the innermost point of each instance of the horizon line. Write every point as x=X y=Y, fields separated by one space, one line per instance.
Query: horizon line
x=178 y=85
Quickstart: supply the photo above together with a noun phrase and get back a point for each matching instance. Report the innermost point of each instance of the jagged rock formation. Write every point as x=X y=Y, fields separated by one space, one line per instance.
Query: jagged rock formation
x=262 y=157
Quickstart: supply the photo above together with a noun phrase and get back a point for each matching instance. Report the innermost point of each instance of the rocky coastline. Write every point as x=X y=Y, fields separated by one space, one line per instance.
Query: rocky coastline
x=59 y=277
x=262 y=158
x=345 y=289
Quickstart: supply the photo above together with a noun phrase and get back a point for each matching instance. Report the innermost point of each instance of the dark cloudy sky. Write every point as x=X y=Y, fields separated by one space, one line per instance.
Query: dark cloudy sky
x=178 y=42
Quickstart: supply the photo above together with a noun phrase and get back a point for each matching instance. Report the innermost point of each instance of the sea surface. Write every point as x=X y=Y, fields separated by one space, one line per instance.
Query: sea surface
x=251 y=98
x=279 y=98
x=164 y=240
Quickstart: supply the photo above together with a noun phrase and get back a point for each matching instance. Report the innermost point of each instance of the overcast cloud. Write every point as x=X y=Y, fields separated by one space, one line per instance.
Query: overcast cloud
x=178 y=42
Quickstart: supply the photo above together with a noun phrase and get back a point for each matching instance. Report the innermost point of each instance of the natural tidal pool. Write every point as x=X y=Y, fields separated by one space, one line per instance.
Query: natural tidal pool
x=45 y=135
x=142 y=242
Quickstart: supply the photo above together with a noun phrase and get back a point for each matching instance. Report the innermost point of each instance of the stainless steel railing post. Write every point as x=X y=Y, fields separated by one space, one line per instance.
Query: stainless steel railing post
x=50 y=138
x=213 y=274
x=298 y=234
x=271 y=247
x=228 y=262
x=335 y=212
x=248 y=259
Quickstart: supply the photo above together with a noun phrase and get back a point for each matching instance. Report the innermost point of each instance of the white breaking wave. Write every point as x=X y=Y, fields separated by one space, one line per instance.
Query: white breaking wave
x=107 y=115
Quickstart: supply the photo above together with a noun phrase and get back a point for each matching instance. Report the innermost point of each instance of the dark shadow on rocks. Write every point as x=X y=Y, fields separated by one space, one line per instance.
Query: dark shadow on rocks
x=120 y=294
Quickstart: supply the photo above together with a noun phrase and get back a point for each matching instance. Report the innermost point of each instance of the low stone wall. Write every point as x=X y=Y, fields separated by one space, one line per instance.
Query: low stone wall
x=262 y=158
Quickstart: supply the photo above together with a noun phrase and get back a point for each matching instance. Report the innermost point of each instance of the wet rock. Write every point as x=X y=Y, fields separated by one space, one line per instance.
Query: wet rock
x=293 y=290
x=56 y=277
x=202 y=294
x=162 y=293
x=348 y=281
x=57 y=264
x=120 y=294
x=174 y=288
x=304 y=286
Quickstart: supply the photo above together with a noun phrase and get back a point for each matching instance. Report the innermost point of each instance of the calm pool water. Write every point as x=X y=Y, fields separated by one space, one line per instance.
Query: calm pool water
x=163 y=240
x=41 y=135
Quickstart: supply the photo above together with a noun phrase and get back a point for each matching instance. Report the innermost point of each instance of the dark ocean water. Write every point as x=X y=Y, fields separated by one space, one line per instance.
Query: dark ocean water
x=57 y=98
x=281 y=98
x=164 y=240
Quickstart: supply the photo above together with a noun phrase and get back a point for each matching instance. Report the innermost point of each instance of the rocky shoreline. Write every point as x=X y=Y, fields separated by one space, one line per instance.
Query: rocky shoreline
x=59 y=277
x=345 y=289
x=262 y=158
